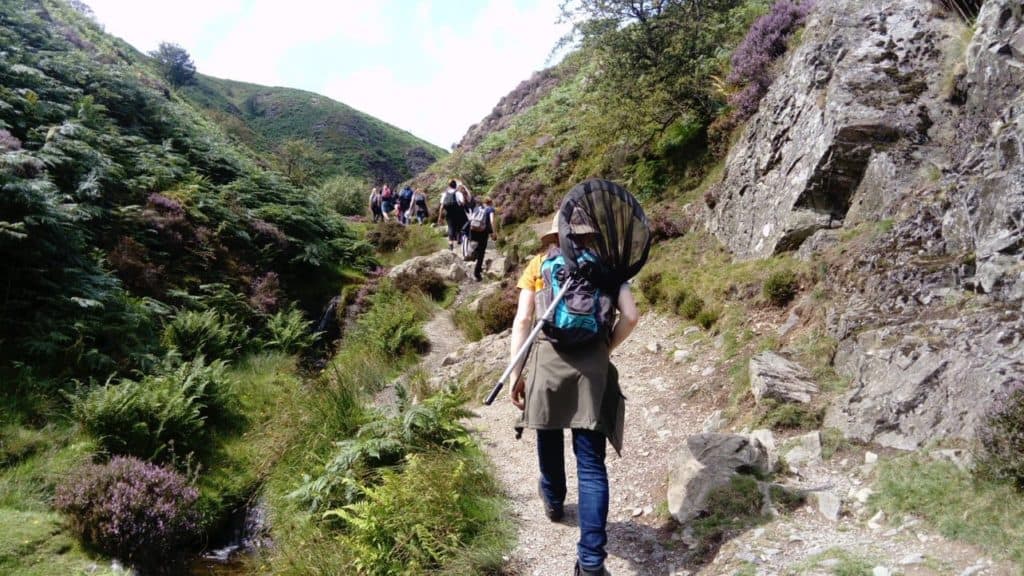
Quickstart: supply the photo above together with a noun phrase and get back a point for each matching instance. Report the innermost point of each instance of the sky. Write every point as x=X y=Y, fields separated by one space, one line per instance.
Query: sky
x=433 y=68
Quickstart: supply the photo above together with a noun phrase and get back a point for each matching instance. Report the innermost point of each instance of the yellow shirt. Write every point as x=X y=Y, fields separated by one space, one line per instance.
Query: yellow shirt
x=531 y=278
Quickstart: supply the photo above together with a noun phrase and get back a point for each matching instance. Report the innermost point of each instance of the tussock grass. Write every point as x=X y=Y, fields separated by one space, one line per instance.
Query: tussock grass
x=33 y=540
x=987 y=514
x=34 y=543
x=420 y=240
x=469 y=323
x=847 y=564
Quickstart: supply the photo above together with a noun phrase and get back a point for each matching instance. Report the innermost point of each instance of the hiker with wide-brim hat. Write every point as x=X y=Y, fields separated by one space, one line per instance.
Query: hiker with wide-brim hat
x=571 y=389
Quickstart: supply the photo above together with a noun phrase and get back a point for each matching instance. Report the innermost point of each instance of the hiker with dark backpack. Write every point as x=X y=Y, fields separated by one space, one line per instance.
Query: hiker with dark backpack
x=404 y=203
x=452 y=212
x=480 y=227
x=420 y=211
x=375 y=208
x=576 y=284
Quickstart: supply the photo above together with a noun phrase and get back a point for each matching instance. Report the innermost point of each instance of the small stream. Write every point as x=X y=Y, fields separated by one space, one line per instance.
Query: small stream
x=239 y=547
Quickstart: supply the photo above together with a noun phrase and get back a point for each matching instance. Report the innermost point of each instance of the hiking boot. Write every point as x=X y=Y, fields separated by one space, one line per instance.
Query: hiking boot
x=583 y=572
x=554 y=513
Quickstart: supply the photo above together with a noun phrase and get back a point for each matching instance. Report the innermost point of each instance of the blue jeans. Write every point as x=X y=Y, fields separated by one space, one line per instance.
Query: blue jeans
x=589 y=447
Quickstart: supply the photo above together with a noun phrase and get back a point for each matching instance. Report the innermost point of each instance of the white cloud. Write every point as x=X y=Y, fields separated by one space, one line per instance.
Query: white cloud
x=397 y=60
x=144 y=24
x=476 y=65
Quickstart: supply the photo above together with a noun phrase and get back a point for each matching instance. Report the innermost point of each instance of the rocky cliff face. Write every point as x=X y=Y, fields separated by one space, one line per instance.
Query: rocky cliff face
x=528 y=93
x=877 y=117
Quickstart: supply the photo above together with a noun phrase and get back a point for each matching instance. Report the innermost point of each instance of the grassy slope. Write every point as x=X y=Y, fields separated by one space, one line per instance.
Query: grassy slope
x=263 y=117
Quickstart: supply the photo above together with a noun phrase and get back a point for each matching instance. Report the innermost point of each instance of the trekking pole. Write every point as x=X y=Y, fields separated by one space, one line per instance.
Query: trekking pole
x=524 y=350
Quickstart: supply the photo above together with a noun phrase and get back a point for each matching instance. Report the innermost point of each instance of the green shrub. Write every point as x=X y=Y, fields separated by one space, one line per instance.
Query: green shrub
x=289 y=331
x=780 y=287
x=346 y=195
x=469 y=323
x=650 y=287
x=707 y=318
x=427 y=282
x=690 y=307
x=419 y=518
x=17 y=444
x=207 y=333
x=730 y=508
x=162 y=416
x=387 y=236
x=788 y=416
x=392 y=325
x=1002 y=439
x=498 y=309
x=384 y=442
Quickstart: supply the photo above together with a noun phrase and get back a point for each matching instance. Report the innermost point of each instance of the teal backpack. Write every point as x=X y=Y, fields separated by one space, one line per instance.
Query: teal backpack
x=585 y=314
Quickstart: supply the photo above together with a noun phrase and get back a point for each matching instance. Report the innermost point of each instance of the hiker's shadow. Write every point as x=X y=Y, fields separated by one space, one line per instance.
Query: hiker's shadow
x=649 y=550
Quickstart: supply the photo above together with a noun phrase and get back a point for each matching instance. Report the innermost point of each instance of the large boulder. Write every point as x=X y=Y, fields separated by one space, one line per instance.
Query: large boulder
x=709 y=461
x=831 y=131
x=772 y=376
x=440 y=262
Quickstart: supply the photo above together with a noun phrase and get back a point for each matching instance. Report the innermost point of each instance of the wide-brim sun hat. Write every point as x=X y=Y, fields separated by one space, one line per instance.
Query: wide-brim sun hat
x=550 y=232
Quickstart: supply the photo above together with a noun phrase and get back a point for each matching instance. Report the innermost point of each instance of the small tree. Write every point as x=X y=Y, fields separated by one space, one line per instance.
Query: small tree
x=175 y=63
x=300 y=161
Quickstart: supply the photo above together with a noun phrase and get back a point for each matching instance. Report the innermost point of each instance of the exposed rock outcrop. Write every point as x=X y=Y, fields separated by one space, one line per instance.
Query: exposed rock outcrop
x=873 y=118
x=854 y=97
x=931 y=328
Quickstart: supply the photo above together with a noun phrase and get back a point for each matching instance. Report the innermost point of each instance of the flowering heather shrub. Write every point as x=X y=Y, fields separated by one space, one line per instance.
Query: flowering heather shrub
x=520 y=198
x=131 y=261
x=388 y=236
x=665 y=227
x=266 y=293
x=497 y=310
x=429 y=282
x=8 y=142
x=1002 y=438
x=137 y=511
x=164 y=204
x=764 y=42
x=167 y=216
x=266 y=230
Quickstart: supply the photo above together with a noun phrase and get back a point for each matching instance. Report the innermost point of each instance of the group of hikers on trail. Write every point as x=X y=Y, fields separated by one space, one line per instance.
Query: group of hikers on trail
x=470 y=220
x=470 y=223
x=405 y=206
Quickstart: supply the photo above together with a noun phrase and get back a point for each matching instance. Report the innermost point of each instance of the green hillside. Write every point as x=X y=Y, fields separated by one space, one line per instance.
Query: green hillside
x=354 y=143
x=646 y=107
